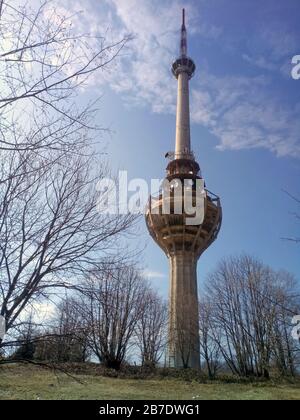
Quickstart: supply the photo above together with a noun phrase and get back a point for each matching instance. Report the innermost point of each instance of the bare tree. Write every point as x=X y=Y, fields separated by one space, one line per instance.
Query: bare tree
x=209 y=348
x=112 y=307
x=151 y=329
x=252 y=308
x=51 y=231
x=27 y=333
x=67 y=338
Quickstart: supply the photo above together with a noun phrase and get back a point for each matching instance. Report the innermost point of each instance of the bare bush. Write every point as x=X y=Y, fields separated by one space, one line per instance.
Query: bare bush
x=112 y=305
x=151 y=329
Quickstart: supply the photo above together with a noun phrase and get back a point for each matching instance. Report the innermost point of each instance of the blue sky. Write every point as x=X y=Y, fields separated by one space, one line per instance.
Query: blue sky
x=245 y=110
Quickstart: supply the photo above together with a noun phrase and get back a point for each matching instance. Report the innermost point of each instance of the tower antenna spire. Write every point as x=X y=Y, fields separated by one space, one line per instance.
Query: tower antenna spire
x=183 y=40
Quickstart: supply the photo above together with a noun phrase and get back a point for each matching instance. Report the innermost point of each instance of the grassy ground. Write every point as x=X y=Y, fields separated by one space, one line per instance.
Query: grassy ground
x=29 y=382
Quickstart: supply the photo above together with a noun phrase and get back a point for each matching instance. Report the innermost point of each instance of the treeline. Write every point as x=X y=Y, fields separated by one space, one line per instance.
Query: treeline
x=246 y=314
x=111 y=314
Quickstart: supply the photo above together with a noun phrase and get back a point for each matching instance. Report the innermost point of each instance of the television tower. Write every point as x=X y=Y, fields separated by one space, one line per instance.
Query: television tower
x=183 y=243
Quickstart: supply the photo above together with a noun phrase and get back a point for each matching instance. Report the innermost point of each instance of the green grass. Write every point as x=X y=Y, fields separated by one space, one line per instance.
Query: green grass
x=29 y=382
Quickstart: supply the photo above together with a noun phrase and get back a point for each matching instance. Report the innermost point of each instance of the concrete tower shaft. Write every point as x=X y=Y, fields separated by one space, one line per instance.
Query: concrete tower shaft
x=183 y=142
x=183 y=243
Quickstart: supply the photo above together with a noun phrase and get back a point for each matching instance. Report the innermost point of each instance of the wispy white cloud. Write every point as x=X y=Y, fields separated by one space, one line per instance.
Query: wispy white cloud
x=278 y=40
x=238 y=110
x=156 y=275
x=261 y=62
x=272 y=47
x=242 y=113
